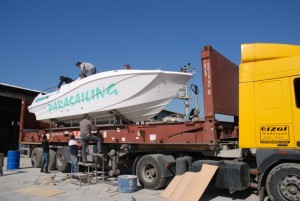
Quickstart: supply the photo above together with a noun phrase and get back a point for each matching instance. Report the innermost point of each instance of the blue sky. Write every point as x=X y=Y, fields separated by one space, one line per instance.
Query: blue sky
x=41 y=40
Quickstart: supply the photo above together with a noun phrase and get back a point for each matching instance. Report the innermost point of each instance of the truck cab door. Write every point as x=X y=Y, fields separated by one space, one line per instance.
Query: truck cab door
x=273 y=113
x=295 y=96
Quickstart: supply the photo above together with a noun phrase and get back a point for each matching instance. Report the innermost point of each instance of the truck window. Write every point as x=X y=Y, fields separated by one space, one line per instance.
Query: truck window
x=297 y=91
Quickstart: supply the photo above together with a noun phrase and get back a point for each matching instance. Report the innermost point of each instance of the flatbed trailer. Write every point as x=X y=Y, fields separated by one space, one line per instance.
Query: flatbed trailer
x=156 y=152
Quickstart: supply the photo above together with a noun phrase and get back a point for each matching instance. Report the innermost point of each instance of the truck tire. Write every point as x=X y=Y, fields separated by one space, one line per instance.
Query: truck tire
x=36 y=157
x=52 y=161
x=181 y=166
x=63 y=160
x=189 y=161
x=149 y=173
x=283 y=182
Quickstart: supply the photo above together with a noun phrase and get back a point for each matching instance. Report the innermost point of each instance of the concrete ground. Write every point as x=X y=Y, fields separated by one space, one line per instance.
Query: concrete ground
x=28 y=177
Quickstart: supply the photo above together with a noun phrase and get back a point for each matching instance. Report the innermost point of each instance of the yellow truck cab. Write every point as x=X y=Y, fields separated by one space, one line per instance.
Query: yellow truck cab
x=269 y=115
x=269 y=96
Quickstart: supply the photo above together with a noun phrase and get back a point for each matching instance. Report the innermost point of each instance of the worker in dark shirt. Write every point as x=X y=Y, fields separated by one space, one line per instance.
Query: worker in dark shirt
x=63 y=79
x=45 y=158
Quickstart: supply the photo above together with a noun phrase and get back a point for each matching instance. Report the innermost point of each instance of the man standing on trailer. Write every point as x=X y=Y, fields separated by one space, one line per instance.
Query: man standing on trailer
x=87 y=69
x=86 y=128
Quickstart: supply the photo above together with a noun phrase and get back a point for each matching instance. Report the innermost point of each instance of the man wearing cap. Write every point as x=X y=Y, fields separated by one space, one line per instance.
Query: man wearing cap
x=86 y=128
x=87 y=69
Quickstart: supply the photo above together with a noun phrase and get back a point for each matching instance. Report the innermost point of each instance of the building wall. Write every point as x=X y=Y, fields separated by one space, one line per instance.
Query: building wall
x=10 y=120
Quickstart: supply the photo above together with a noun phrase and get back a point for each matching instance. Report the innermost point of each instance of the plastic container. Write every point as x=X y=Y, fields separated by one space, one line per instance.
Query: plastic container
x=13 y=160
x=127 y=183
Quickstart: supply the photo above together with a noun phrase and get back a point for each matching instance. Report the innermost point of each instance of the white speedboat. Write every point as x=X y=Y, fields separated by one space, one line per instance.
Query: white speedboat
x=136 y=94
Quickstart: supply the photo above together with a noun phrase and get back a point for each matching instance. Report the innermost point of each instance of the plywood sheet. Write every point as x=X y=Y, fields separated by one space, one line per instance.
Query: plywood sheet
x=171 y=187
x=196 y=188
x=181 y=186
x=44 y=192
x=191 y=185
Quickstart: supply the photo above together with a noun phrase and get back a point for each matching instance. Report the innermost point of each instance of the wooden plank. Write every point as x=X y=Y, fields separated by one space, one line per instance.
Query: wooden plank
x=191 y=185
x=182 y=186
x=171 y=187
x=44 y=192
x=196 y=188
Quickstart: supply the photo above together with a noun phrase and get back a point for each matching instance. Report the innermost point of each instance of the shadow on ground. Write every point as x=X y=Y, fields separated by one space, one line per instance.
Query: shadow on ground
x=212 y=193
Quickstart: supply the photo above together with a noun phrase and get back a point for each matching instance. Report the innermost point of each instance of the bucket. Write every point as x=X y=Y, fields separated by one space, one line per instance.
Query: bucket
x=13 y=160
x=127 y=183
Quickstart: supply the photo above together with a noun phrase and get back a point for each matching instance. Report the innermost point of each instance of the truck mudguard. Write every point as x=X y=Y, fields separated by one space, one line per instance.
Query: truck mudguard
x=267 y=157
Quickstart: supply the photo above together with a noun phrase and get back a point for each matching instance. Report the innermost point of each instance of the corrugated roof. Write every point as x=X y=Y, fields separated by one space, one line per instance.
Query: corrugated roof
x=18 y=88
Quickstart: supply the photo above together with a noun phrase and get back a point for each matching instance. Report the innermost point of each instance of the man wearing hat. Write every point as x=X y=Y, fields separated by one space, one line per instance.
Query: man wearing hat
x=86 y=128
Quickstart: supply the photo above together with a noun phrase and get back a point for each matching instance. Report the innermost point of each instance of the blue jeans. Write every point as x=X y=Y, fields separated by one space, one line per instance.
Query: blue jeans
x=45 y=162
x=84 y=140
x=91 y=72
x=74 y=164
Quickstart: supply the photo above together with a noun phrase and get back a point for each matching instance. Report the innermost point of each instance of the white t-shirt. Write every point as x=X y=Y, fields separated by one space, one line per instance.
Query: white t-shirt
x=87 y=66
x=72 y=142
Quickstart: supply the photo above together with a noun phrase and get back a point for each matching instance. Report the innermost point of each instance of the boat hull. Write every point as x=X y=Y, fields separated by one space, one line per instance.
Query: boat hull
x=137 y=94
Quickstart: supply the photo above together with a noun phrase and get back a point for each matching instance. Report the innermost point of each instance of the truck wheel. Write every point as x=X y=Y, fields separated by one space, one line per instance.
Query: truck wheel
x=181 y=166
x=52 y=161
x=283 y=182
x=36 y=157
x=62 y=160
x=149 y=173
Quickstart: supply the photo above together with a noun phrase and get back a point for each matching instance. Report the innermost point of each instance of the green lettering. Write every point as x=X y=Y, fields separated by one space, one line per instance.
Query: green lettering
x=49 y=107
x=82 y=97
x=93 y=94
x=77 y=98
x=71 y=100
x=90 y=95
x=60 y=104
x=99 y=92
x=66 y=102
x=87 y=96
x=110 y=89
x=54 y=105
